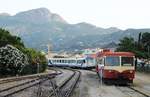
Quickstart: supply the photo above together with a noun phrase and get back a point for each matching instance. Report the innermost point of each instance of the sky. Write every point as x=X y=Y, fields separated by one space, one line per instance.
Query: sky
x=102 y=13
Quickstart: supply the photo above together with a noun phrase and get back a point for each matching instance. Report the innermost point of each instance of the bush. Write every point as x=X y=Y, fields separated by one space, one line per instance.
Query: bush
x=35 y=58
x=12 y=61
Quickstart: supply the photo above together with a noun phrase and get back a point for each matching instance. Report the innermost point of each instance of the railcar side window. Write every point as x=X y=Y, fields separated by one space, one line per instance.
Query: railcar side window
x=112 y=61
x=127 y=61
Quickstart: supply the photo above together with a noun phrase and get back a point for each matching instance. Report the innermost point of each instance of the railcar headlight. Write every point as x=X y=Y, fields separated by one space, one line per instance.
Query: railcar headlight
x=131 y=71
x=110 y=71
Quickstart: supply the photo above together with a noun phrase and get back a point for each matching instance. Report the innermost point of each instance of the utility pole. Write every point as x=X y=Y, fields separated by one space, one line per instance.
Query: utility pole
x=37 y=63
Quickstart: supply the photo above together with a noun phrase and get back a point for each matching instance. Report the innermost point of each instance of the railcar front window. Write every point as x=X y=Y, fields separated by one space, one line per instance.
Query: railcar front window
x=127 y=61
x=112 y=61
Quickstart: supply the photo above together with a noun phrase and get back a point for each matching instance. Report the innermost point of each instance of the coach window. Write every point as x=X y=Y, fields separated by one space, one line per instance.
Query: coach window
x=63 y=61
x=50 y=61
x=112 y=61
x=59 y=61
x=78 y=61
x=127 y=61
x=53 y=61
x=74 y=61
x=69 y=61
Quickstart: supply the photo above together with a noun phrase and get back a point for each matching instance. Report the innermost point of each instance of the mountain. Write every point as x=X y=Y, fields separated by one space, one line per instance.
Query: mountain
x=4 y=14
x=39 y=27
x=40 y=15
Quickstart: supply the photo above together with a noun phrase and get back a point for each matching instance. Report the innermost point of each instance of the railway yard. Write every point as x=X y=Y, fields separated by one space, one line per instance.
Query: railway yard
x=90 y=86
x=71 y=83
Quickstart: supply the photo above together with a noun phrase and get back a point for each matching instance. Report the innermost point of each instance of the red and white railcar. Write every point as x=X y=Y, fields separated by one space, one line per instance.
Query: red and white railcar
x=118 y=67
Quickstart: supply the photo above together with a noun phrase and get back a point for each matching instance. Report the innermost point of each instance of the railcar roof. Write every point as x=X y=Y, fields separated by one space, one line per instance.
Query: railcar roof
x=128 y=54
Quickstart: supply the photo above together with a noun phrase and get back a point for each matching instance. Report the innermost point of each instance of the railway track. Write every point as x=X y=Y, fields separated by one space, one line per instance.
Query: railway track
x=131 y=92
x=57 y=70
x=12 y=79
x=66 y=88
x=18 y=88
x=21 y=85
x=146 y=95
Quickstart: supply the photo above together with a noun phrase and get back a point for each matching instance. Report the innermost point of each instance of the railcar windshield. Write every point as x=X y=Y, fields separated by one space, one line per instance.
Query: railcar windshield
x=80 y=61
x=127 y=61
x=112 y=61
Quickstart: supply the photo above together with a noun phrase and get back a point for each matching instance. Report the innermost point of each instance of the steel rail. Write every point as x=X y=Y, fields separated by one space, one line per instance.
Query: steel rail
x=11 y=79
x=133 y=89
x=73 y=86
x=19 y=90
x=62 y=84
x=146 y=95
x=38 y=79
x=68 y=93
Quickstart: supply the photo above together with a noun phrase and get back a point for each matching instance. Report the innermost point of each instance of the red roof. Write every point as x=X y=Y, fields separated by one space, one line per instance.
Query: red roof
x=128 y=54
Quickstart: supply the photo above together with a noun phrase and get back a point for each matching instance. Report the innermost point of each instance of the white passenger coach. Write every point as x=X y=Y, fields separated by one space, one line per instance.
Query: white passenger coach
x=70 y=62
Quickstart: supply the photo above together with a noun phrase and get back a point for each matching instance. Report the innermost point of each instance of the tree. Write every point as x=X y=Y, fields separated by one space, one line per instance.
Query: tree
x=146 y=41
x=35 y=58
x=13 y=54
x=7 y=38
x=126 y=44
x=141 y=47
x=146 y=38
